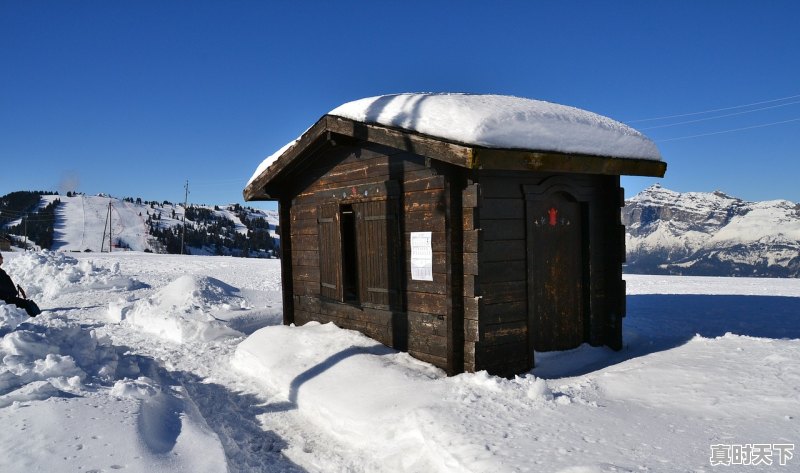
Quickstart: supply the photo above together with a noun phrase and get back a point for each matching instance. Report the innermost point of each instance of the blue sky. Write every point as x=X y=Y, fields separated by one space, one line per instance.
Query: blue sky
x=132 y=98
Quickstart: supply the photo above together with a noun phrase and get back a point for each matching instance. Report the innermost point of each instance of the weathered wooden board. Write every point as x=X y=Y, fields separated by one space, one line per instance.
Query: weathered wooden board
x=472 y=241
x=503 y=250
x=431 y=345
x=471 y=330
x=500 y=209
x=306 y=226
x=423 y=221
x=503 y=312
x=510 y=332
x=305 y=258
x=503 y=229
x=426 y=324
x=427 y=303
x=498 y=293
x=306 y=242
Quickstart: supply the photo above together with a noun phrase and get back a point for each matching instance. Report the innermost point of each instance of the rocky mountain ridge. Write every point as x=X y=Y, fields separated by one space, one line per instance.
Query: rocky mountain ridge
x=710 y=234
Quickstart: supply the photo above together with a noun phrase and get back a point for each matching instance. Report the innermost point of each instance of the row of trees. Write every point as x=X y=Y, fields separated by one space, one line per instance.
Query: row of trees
x=204 y=229
x=35 y=223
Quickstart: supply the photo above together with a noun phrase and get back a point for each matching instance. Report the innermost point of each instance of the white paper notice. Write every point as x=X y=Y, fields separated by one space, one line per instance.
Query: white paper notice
x=421 y=256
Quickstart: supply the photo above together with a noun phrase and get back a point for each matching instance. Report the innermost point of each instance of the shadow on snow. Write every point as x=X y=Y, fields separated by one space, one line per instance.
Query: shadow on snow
x=320 y=368
x=659 y=322
x=231 y=415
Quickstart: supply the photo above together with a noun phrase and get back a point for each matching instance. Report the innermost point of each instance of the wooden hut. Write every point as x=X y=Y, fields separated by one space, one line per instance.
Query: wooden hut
x=468 y=230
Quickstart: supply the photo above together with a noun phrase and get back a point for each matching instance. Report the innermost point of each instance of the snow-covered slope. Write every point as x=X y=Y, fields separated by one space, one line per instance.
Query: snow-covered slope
x=82 y=221
x=711 y=234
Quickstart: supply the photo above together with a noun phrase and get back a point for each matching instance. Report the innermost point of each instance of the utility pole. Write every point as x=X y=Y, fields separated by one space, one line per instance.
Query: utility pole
x=107 y=224
x=25 y=219
x=185 y=203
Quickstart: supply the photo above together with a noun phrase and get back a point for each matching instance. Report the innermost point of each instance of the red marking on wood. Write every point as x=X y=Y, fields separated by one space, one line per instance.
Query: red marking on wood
x=553 y=213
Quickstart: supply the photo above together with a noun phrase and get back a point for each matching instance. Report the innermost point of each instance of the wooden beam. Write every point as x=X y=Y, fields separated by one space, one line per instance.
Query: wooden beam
x=285 y=222
x=404 y=140
x=518 y=160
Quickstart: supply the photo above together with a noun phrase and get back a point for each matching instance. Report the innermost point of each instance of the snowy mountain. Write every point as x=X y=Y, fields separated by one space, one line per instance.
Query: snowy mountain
x=713 y=234
x=82 y=223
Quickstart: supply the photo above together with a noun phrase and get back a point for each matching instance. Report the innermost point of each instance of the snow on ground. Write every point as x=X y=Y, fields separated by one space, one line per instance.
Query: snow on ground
x=144 y=362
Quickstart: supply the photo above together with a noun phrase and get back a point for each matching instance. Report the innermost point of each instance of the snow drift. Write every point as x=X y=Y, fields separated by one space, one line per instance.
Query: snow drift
x=46 y=274
x=403 y=410
x=184 y=310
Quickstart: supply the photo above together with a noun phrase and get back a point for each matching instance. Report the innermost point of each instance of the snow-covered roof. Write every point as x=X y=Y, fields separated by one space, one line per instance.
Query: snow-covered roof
x=495 y=122
x=505 y=122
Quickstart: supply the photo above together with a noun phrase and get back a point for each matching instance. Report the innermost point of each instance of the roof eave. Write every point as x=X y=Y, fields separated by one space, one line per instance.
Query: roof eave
x=523 y=160
x=257 y=189
x=458 y=154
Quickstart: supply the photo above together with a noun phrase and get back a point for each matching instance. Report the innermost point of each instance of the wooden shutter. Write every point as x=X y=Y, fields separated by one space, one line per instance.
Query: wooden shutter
x=378 y=252
x=330 y=252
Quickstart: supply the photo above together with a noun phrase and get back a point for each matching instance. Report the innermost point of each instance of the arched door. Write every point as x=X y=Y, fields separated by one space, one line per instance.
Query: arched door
x=557 y=272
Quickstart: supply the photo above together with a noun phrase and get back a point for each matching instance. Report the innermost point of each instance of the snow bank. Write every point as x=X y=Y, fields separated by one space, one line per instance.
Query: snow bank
x=52 y=361
x=10 y=317
x=496 y=121
x=184 y=310
x=405 y=412
x=46 y=274
x=69 y=373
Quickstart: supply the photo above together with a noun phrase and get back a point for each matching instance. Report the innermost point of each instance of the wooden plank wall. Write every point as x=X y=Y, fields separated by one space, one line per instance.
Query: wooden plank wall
x=610 y=235
x=472 y=246
x=496 y=309
x=418 y=323
x=495 y=260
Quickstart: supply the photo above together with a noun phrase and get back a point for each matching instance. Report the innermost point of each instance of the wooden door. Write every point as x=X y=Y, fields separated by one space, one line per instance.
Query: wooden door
x=557 y=308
